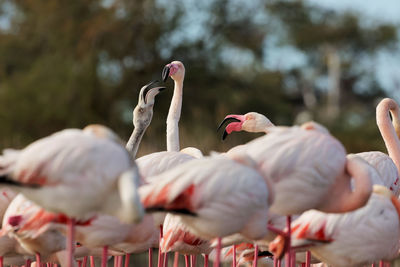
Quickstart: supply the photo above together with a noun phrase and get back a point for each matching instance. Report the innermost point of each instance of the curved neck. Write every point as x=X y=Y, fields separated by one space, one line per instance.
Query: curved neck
x=341 y=197
x=388 y=129
x=134 y=140
x=174 y=115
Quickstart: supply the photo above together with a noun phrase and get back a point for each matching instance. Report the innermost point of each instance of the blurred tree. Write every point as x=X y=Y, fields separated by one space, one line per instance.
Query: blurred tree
x=66 y=64
x=334 y=86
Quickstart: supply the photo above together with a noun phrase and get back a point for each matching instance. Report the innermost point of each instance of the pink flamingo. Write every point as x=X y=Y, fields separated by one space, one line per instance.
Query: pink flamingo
x=206 y=192
x=356 y=238
x=177 y=238
x=69 y=173
x=256 y=122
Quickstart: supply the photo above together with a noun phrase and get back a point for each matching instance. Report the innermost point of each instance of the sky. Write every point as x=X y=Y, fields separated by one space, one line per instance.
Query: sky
x=386 y=64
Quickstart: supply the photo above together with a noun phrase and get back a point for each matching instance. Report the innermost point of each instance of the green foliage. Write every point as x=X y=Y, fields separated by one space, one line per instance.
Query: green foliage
x=67 y=64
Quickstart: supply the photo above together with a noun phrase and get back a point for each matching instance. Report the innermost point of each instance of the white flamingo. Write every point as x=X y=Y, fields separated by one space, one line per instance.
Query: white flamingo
x=71 y=172
x=355 y=238
x=218 y=195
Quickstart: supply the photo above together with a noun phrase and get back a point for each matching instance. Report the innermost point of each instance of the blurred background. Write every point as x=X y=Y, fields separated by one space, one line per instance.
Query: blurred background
x=69 y=63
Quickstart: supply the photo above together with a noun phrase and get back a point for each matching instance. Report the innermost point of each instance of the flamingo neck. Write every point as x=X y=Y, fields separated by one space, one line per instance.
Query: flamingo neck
x=174 y=115
x=341 y=197
x=134 y=140
x=389 y=129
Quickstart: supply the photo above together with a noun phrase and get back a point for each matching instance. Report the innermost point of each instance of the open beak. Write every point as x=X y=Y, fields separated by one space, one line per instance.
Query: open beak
x=231 y=120
x=165 y=73
x=148 y=88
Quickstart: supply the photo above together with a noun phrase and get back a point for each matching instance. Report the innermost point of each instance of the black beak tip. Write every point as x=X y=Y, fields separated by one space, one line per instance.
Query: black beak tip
x=165 y=74
x=161 y=89
x=224 y=135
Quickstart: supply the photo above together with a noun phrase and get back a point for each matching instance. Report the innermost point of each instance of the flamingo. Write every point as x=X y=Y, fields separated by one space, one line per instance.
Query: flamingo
x=176 y=70
x=71 y=171
x=355 y=238
x=142 y=115
x=36 y=231
x=178 y=238
x=388 y=170
x=218 y=196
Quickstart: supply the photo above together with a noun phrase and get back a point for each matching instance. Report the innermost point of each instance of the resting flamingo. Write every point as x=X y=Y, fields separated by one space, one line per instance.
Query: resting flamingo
x=71 y=171
x=37 y=231
x=207 y=191
x=356 y=238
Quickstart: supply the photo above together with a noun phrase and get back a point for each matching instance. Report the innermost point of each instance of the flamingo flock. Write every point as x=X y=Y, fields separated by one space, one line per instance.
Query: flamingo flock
x=77 y=195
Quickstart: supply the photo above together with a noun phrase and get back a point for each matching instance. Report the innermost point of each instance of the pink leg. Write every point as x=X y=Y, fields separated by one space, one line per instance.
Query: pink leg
x=293 y=258
x=165 y=259
x=55 y=265
x=234 y=256
x=115 y=261
x=308 y=258
x=186 y=260
x=275 y=262
x=288 y=258
x=27 y=262
x=121 y=261
x=84 y=263
x=381 y=264
x=92 y=261
x=192 y=260
x=303 y=264
x=255 y=256
x=38 y=263
x=70 y=241
x=79 y=264
x=160 y=256
x=176 y=259
x=104 y=256
x=218 y=256
x=373 y=265
x=150 y=257
x=279 y=263
x=206 y=260
x=127 y=256
x=1 y=262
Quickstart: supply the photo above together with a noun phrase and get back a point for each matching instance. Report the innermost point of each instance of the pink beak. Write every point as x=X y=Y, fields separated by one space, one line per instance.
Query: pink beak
x=234 y=125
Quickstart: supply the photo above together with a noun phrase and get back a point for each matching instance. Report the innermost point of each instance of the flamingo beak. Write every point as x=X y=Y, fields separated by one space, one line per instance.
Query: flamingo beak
x=165 y=72
x=277 y=246
x=234 y=124
x=148 y=88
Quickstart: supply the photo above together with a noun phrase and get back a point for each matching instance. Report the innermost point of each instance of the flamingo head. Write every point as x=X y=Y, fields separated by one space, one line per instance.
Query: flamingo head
x=143 y=112
x=175 y=70
x=250 y=122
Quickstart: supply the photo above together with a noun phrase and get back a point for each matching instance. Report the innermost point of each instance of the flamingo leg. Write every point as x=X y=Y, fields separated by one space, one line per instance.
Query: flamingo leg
x=120 y=260
x=186 y=260
x=27 y=262
x=165 y=263
x=192 y=260
x=176 y=259
x=206 y=260
x=38 y=263
x=127 y=256
x=92 y=261
x=115 y=261
x=150 y=257
x=308 y=258
x=288 y=258
x=255 y=256
x=1 y=261
x=218 y=256
x=84 y=261
x=79 y=264
x=70 y=241
x=234 y=256
x=160 y=254
x=104 y=257
x=275 y=262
